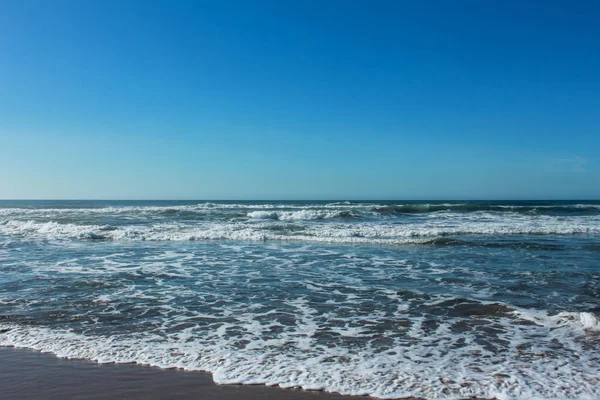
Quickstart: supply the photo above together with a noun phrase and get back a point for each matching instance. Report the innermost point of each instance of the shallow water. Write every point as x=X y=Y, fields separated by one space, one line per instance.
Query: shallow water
x=438 y=300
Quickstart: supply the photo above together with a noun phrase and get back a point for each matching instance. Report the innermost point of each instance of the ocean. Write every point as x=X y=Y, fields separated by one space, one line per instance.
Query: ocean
x=440 y=300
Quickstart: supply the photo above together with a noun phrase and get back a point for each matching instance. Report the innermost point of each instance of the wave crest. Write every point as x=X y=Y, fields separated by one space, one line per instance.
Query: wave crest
x=277 y=227
x=301 y=215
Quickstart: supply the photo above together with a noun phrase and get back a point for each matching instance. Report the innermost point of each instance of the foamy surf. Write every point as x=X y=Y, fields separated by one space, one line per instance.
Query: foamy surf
x=449 y=303
x=263 y=225
x=435 y=367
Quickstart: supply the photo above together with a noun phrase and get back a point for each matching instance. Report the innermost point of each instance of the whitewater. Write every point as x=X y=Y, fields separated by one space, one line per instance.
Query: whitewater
x=440 y=300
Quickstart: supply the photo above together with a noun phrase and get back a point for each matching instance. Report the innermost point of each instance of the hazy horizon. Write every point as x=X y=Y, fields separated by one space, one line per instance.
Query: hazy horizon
x=354 y=200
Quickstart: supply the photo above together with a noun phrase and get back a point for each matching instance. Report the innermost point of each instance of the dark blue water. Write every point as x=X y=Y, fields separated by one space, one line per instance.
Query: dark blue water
x=391 y=299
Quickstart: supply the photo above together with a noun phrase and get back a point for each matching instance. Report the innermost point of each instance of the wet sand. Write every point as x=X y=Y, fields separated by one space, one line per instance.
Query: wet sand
x=28 y=374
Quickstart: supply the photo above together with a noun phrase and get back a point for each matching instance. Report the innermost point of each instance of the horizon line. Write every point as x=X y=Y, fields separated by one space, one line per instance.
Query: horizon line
x=308 y=199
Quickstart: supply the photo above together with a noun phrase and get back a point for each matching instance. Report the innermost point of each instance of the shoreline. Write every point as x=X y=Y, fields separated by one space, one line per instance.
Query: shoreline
x=30 y=374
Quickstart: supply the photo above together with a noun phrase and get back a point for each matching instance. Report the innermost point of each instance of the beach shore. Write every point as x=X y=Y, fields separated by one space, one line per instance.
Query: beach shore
x=27 y=374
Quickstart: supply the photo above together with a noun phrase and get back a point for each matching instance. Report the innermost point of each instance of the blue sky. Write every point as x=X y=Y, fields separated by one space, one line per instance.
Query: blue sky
x=299 y=99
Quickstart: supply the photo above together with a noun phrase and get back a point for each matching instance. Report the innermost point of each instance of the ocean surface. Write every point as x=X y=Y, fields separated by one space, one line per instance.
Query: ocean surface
x=441 y=300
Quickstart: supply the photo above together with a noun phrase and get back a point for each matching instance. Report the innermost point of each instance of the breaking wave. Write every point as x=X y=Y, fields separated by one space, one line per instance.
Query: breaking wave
x=302 y=215
x=276 y=228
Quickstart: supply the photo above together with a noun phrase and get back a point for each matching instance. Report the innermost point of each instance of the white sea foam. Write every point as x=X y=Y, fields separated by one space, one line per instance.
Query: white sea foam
x=383 y=233
x=306 y=214
x=354 y=320
x=378 y=320
x=430 y=367
x=585 y=321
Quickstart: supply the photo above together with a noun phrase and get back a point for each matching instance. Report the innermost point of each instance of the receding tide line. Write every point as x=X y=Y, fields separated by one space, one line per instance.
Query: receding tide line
x=310 y=373
x=63 y=378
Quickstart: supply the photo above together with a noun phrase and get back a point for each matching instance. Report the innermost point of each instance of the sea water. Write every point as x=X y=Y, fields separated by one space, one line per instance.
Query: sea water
x=441 y=300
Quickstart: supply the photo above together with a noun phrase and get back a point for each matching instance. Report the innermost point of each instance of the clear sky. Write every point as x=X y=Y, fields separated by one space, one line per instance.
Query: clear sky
x=299 y=99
